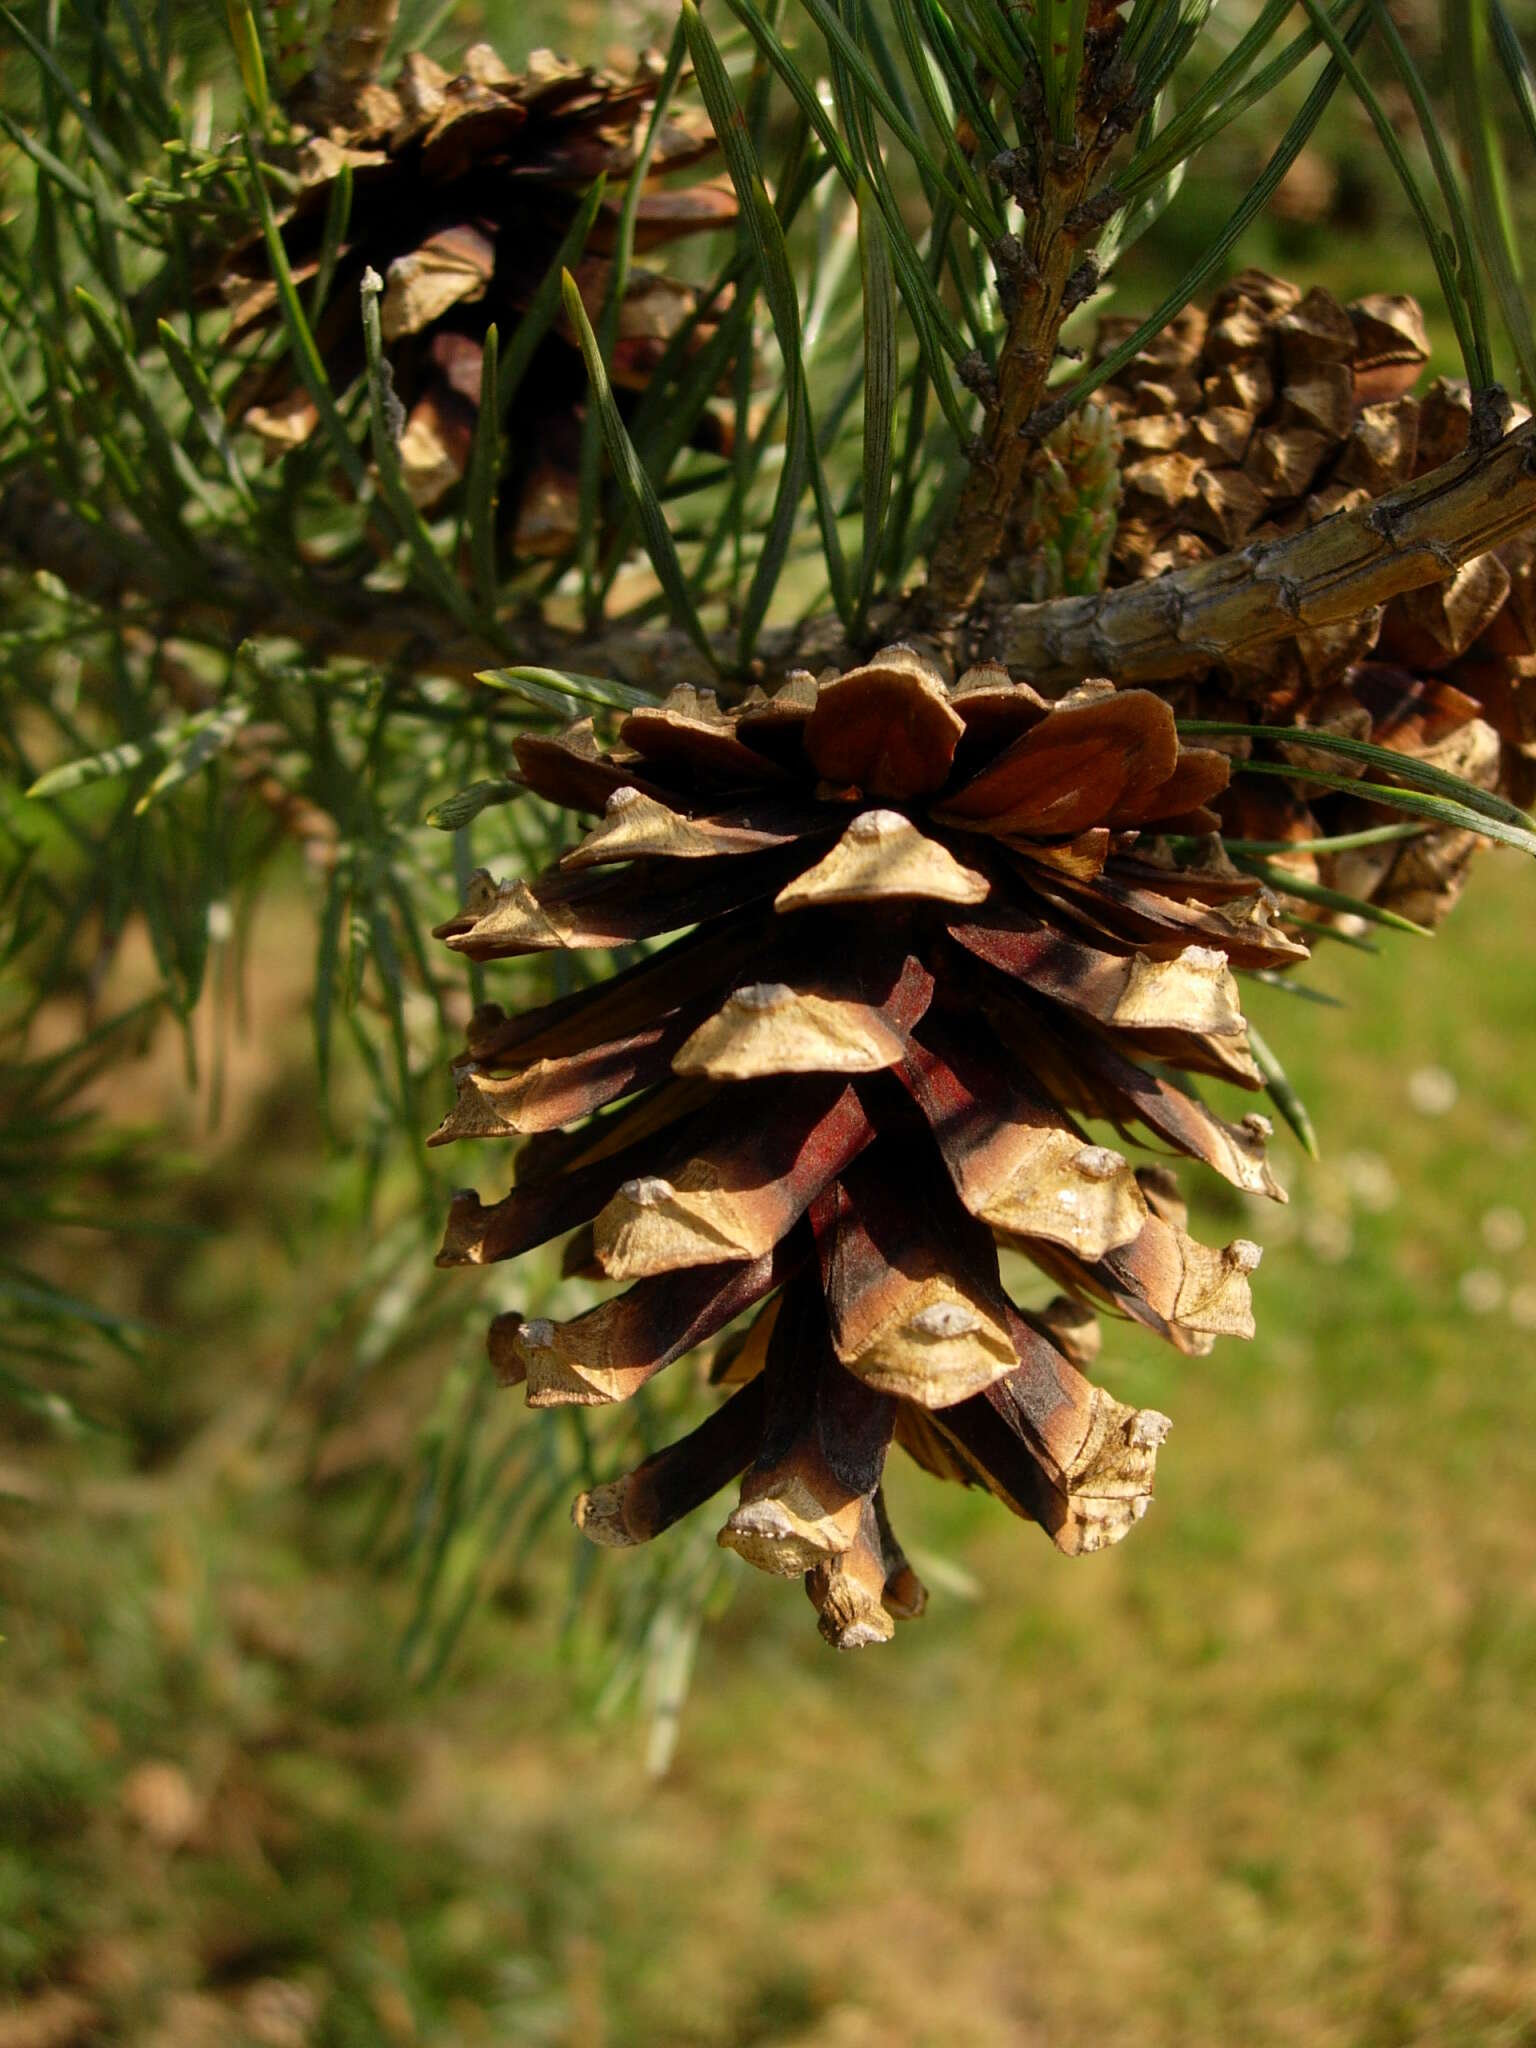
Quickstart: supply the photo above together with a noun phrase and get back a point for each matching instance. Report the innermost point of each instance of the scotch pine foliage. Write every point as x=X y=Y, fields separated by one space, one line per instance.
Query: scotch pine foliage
x=374 y=403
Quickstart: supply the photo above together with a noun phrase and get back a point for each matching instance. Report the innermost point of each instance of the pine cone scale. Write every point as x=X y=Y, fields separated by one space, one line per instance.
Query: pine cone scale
x=610 y=1352
x=737 y=1197
x=676 y=1480
x=819 y=1463
x=880 y=857
x=838 y=1023
x=1016 y=1161
x=548 y=1093
x=913 y=1301
x=1072 y=770
x=597 y=908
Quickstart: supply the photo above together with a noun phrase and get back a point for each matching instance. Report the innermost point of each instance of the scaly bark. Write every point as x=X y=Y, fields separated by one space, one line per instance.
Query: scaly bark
x=1039 y=267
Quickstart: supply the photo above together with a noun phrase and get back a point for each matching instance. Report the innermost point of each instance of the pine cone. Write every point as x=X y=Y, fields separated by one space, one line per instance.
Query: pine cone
x=927 y=941
x=1276 y=410
x=1421 y=717
x=462 y=191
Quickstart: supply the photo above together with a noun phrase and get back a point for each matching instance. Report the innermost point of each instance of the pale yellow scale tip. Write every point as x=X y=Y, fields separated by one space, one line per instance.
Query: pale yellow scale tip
x=770 y=1028
x=882 y=856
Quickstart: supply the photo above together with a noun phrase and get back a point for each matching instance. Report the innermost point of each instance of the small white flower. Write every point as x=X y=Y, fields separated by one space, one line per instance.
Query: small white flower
x=1432 y=1090
x=1503 y=1229
x=1481 y=1291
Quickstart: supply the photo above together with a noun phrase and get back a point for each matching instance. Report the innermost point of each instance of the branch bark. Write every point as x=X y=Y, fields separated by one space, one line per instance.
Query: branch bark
x=1219 y=612
x=1043 y=263
x=1175 y=625
x=1044 y=273
x=112 y=563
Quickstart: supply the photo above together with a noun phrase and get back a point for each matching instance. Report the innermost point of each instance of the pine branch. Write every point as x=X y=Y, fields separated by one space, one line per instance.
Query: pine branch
x=349 y=58
x=1220 y=611
x=1042 y=275
x=251 y=754
x=108 y=564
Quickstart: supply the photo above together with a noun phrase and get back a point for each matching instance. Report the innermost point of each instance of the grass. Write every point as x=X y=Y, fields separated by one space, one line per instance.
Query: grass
x=1263 y=1775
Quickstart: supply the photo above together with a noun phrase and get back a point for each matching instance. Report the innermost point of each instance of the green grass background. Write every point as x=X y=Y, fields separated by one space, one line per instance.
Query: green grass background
x=1263 y=1775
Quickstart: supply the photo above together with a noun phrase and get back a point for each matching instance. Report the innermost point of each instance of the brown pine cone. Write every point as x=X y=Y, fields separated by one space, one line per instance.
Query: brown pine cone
x=925 y=943
x=463 y=188
x=1471 y=642
x=1424 y=718
x=1276 y=410
x=1233 y=420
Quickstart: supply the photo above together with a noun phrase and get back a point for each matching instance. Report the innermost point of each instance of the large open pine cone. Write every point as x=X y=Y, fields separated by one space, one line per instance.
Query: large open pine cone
x=463 y=188
x=926 y=942
x=1277 y=409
